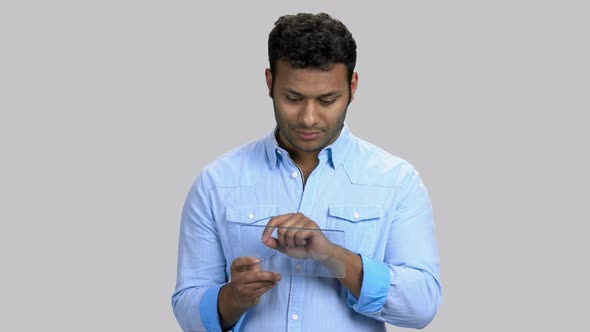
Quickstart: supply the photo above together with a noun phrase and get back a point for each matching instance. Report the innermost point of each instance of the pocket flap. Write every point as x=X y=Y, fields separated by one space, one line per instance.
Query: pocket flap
x=356 y=213
x=250 y=214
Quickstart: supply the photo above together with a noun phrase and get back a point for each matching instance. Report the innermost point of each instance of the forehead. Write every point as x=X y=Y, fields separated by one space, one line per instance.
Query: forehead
x=310 y=80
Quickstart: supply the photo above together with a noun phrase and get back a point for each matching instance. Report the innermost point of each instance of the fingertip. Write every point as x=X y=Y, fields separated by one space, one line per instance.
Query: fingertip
x=270 y=242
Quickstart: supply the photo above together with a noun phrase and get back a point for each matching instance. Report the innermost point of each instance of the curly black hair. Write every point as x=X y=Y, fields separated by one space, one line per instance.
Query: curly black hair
x=311 y=41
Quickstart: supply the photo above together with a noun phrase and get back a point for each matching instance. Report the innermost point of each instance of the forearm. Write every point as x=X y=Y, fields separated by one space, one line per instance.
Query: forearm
x=352 y=266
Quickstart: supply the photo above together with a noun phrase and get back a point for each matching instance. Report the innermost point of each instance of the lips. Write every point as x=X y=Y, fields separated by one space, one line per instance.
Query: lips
x=307 y=135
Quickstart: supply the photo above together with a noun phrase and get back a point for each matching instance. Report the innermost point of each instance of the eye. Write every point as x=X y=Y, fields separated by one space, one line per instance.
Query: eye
x=292 y=99
x=327 y=102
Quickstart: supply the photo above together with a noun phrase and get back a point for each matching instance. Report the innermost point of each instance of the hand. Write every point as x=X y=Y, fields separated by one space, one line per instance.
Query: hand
x=297 y=236
x=300 y=237
x=248 y=283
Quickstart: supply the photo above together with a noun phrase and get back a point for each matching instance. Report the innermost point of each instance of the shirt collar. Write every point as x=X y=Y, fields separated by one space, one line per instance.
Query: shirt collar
x=335 y=152
x=272 y=148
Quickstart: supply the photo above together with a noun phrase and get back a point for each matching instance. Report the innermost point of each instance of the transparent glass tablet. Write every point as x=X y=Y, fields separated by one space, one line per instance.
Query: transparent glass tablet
x=301 y=261
x=251 y=243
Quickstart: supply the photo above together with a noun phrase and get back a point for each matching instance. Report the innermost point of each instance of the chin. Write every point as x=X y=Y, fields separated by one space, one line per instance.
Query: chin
x=310 y=148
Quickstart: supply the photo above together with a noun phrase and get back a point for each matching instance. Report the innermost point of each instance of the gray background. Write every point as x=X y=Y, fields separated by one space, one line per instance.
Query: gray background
x=109 y=109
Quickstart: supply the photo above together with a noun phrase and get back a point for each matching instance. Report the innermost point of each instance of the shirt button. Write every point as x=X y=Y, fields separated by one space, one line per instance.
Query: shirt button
x=251 y=215
x=295 y=317
x=294 y=174
x=298 y=267
x=279 y=152
x=356 y=215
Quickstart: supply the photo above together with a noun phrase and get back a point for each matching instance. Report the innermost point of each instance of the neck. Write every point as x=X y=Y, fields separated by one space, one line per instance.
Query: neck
x=306 y=161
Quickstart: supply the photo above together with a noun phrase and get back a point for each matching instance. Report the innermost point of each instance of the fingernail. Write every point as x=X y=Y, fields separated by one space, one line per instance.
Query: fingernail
x=256 y=260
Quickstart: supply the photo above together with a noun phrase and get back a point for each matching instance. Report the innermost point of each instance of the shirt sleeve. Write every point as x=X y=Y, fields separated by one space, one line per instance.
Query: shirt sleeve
x=201 y=269
x=404 y=289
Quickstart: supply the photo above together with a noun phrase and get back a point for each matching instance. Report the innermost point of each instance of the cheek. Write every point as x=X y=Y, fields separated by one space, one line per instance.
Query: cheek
x=337 y=117
x=281 y=116
x=284 y=113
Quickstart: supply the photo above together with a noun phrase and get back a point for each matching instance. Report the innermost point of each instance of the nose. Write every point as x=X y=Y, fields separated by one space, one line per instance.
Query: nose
x=309 y=114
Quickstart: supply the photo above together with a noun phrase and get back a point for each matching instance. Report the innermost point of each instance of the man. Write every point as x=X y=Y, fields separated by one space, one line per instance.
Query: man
x=308 y=175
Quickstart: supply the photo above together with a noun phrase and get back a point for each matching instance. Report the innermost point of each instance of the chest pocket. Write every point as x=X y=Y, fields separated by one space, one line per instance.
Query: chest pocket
x=245 y=227
x=361 y=226
x=250 y=214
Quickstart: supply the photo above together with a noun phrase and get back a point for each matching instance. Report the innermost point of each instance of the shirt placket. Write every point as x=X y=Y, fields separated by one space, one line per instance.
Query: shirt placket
x=297 y=293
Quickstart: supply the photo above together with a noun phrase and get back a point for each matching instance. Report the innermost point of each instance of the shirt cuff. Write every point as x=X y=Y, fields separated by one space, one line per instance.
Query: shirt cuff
x=374 y=287
x=210 y=314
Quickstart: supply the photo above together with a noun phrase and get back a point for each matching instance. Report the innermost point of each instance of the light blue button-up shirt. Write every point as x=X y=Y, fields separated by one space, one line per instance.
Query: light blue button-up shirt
x=377 y=199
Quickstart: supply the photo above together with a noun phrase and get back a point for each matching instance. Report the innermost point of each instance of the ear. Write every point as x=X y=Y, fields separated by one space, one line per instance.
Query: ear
x=268 y=75
x=353 y=84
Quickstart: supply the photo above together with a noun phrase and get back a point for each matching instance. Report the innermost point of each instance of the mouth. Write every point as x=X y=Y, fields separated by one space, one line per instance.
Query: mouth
x=307 y=135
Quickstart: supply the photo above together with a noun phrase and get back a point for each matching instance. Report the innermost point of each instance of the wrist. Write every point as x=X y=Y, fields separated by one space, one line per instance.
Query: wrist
x=227 y=308
x=336 y=253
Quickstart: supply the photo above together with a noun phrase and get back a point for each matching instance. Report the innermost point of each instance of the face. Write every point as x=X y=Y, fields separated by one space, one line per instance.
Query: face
x=310 y=105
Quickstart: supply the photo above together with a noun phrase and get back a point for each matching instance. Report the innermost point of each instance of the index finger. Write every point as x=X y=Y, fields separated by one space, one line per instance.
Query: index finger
x=244 y=263
x=273 y=223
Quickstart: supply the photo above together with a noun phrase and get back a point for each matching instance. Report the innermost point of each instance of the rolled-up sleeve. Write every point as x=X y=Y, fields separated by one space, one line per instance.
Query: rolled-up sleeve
x=374 y=288
x=201 y=264
x=404 y=289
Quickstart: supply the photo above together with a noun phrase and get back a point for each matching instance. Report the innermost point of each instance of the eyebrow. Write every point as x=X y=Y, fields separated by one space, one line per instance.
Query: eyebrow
x=325 y=95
